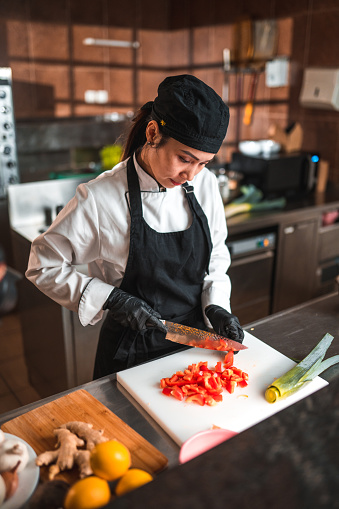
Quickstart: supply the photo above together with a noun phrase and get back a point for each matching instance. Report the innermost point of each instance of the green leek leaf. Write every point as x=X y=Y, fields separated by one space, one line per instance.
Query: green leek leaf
x=305 y=371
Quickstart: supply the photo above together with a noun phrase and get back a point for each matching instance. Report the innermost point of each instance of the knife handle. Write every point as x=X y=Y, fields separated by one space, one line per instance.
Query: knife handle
x=150 y=324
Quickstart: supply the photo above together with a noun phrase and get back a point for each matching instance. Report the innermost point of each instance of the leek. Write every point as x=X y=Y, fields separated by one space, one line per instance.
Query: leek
x=233 y=209
x=250 y=194
x=305 y=371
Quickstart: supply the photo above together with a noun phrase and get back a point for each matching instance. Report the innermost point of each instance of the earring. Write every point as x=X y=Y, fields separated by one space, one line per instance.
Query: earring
x=149 y=143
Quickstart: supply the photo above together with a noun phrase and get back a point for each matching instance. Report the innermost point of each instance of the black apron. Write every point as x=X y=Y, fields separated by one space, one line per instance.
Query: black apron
x=167 y=271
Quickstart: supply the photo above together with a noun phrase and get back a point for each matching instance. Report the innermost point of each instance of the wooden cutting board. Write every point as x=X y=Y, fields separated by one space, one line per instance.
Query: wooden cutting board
x=36 y=428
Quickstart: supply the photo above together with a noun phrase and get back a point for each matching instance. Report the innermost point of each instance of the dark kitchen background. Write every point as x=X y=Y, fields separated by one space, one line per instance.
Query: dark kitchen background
x=51 y=67
x=60 y=134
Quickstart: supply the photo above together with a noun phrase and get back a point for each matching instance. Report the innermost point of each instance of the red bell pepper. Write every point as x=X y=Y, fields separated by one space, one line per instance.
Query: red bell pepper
x=203 y=385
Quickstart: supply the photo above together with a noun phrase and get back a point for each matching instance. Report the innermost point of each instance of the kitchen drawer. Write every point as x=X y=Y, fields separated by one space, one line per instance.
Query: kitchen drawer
x=328 y=242
x=251 y=278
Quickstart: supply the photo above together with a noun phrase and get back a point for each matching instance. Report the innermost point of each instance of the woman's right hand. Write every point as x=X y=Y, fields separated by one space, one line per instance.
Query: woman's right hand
x=132 y=312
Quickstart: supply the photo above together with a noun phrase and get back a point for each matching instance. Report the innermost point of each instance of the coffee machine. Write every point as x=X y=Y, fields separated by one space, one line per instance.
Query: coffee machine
x=291 y=175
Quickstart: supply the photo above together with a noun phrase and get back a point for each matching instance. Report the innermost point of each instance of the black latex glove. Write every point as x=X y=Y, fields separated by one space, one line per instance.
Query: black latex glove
x=224 y=323
x=132 y=312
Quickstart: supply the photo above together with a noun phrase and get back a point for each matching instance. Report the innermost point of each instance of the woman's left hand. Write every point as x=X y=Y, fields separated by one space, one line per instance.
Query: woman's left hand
x=224 y=323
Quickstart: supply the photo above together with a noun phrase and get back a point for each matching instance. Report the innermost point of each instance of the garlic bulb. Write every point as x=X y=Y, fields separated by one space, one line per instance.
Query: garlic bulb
x=12 y=451
x=2 y=437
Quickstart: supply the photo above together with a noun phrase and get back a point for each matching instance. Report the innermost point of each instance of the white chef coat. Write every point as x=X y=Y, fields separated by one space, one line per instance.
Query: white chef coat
x=94 y=229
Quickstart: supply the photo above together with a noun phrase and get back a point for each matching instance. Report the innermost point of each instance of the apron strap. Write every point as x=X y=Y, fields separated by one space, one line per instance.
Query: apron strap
x=196 y=207
x=134 y=191
x=136 y=210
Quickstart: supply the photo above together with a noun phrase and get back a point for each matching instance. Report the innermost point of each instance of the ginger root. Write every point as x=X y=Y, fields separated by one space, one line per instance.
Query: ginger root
x=64 y=456
x=70 y=437
x=86 y=432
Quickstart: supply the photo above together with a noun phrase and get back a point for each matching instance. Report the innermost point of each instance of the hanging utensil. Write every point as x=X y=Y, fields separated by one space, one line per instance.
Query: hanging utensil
x=265 y=37
x=243 y=42
x=248 y=112
x=227 y=67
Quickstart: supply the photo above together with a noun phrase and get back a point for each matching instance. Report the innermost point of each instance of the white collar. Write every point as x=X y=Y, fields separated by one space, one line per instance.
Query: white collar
x=147 y=183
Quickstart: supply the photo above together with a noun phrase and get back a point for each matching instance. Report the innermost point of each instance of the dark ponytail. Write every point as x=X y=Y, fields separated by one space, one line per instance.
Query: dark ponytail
x=137 y=135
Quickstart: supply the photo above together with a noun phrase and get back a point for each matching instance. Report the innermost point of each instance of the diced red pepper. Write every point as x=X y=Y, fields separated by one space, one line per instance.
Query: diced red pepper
x=203 y=385
x=210 y=401
x=196 y=398
x=167 y=391
x=177 y=393
x=218 y=367
x=237 y=371
x=230 y=386
x=229 y=359
x=217 y=397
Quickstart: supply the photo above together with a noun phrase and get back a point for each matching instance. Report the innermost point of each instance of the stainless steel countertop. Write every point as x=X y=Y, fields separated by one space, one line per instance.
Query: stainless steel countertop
x=294 y=332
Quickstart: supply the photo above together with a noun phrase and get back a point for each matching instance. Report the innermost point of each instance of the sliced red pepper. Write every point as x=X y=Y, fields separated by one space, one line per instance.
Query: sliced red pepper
x=177 y=393
x=204 y=368
x=196 y=398
x=210 y=401
x=217 y=397
x=229 y=359
x=167 y=391
x=218 y=367
x=203 y=385
x=230 y=386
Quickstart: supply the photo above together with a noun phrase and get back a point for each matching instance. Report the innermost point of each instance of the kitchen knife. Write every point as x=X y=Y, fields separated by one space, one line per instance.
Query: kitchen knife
x=199 y=338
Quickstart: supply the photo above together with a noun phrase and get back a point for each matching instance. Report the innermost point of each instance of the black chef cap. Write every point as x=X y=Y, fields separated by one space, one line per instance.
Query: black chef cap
x=191 y=112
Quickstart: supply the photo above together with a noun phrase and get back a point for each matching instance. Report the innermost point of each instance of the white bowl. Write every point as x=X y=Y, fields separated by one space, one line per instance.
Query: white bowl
x=260 y=147
x=250 y=148
x=269 y=147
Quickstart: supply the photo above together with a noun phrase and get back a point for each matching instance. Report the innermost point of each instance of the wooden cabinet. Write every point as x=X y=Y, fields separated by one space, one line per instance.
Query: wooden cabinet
x=328 y=242
x=328 y=260
x=251 y=286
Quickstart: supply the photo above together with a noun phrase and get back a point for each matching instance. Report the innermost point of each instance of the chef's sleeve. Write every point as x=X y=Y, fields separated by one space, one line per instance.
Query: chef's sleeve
x=72 y=240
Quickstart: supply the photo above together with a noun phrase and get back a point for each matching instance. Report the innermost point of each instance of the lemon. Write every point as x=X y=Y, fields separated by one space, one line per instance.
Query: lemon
x=88 y=493
x=110 y=460
x=133 y=478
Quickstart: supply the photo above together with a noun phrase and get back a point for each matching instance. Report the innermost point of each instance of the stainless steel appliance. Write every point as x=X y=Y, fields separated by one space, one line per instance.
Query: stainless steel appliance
x=9 y=173
x=251 y=273
x=289 y=175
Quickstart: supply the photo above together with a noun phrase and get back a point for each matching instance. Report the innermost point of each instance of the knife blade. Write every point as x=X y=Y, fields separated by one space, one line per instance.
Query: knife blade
x=190 y=336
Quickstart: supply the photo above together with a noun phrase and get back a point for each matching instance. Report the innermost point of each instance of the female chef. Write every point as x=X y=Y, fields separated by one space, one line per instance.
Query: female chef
x=152 y=231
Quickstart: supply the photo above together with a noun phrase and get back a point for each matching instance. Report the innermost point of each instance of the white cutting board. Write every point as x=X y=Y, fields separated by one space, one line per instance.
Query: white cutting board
x=238 y=411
